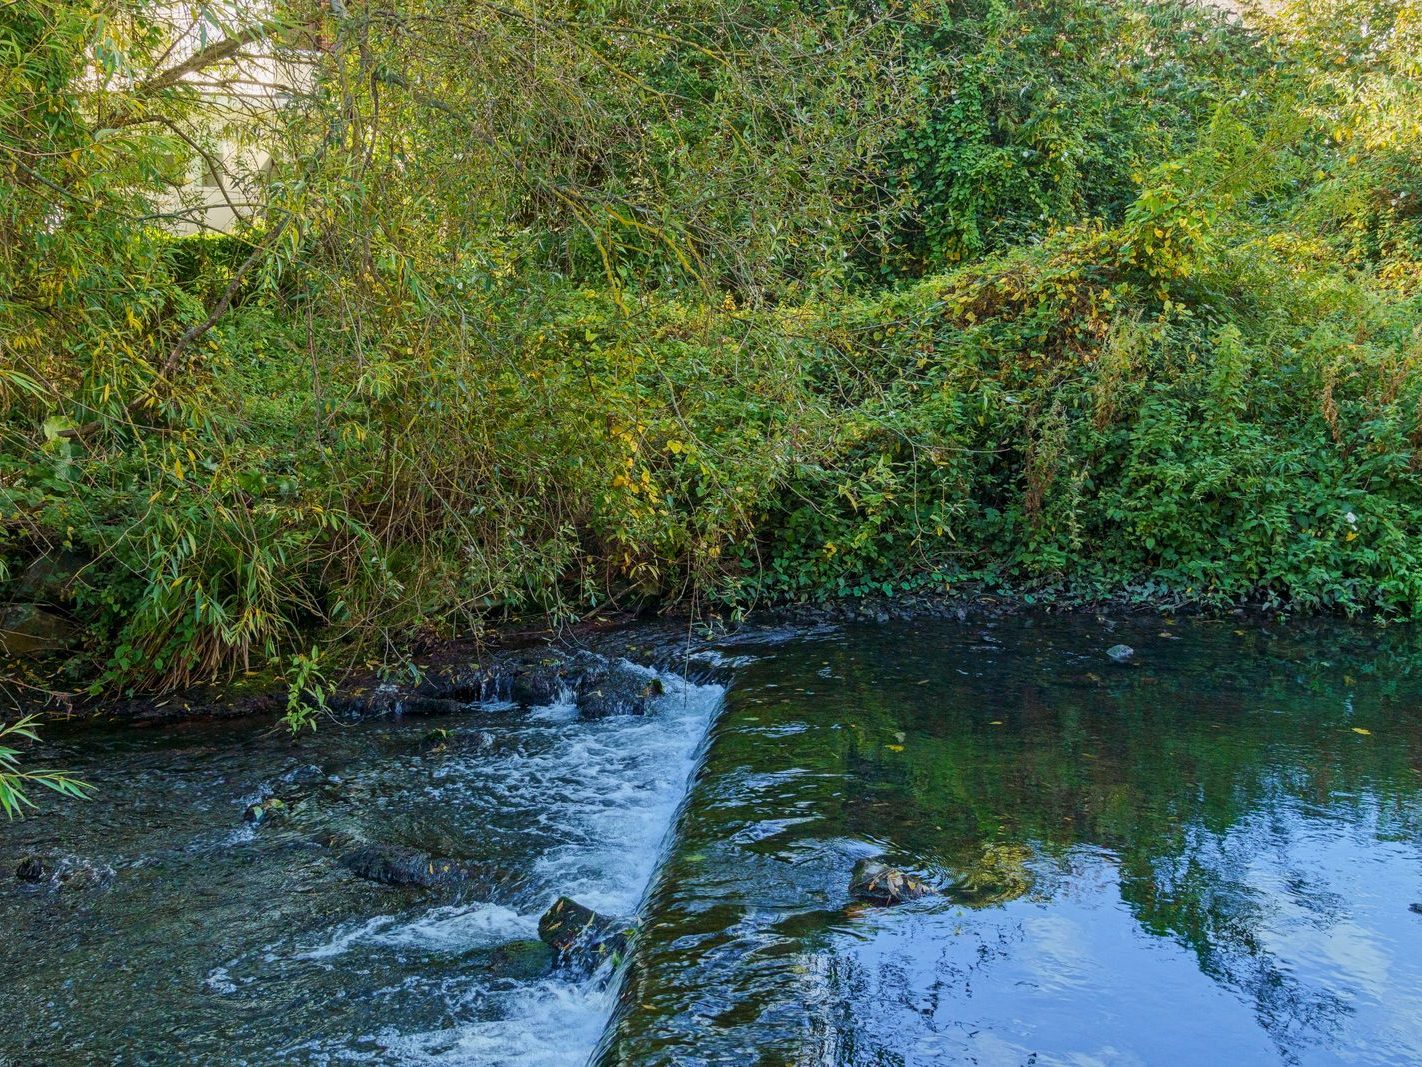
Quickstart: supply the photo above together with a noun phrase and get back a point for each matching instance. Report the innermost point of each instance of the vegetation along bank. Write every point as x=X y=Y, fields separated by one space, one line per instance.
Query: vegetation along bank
x=560 y=307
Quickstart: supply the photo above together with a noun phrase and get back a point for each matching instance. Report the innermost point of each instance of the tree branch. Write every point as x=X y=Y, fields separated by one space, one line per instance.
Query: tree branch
x=203 y=58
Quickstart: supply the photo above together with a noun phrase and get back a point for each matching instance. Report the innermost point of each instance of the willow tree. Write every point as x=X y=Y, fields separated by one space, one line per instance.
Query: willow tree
x=371 y=400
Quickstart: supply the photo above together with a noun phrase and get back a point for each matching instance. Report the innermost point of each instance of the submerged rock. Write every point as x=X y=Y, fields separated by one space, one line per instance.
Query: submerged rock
x=1120 y=653
x=399 y=865
x=1001 y=873
x=64 y=872
x=280 y=796
x=303 y=778
x=520 y=960
x=447 y=740
x=878 y=883
x=581 y=937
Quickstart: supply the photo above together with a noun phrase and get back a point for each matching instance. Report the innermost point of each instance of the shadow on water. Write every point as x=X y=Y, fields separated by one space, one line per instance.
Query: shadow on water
x=1207 y=854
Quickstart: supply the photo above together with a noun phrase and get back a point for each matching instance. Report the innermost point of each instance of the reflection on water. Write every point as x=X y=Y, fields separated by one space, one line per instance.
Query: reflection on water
x=1206 y=855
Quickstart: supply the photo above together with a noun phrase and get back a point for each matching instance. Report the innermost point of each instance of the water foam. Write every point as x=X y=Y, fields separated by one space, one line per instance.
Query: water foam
x=595 y=800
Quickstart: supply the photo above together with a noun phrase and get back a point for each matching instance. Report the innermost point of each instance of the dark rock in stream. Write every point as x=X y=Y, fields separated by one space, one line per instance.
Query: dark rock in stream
x=64 y=872
x=400 y=866
x=541 y=682
x=878 y=883
x=417 y=706
x=581 y=937
x=31 y=869
x=616 y=689
x=469 y=684
x=599 y=685
x=262 y=810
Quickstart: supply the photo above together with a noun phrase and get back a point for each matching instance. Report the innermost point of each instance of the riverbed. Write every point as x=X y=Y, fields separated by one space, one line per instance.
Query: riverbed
x=1208 y=850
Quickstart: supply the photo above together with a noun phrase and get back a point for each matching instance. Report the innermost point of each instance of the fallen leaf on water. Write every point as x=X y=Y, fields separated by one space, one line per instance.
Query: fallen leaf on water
x=1360 y=730
x=895 y=748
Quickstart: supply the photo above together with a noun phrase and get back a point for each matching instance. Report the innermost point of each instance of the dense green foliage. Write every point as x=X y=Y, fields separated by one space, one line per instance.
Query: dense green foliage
x=546 y=306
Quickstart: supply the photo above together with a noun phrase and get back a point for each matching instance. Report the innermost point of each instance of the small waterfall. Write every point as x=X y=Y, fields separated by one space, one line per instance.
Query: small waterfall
x=584 y=807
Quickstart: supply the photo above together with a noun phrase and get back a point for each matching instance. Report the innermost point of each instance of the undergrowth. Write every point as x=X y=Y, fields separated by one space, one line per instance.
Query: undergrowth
x=712 y=302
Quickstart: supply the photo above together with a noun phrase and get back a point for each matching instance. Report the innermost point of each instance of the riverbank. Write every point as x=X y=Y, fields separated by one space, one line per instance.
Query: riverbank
x=882 y=306
x=441 y=674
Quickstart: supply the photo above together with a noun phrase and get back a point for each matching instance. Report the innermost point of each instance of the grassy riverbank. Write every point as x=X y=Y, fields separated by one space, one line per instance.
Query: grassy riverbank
x=707 y=303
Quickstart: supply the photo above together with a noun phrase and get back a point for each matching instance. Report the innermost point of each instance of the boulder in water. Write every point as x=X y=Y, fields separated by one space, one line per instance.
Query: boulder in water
x=466 y=684
x=536 y=684
x=1121 y=653
x=401 y=866
x=32 y=870
x=878 y=883
x=617 y=689
x=581 y=937
x=422 y=707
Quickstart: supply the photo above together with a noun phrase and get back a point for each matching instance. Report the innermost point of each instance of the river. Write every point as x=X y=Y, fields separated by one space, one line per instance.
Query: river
x=1208 y=853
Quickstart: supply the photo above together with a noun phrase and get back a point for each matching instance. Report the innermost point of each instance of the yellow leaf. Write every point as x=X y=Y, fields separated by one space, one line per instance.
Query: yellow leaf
x=895 y=748
x=1360 y=730
x=674 y=446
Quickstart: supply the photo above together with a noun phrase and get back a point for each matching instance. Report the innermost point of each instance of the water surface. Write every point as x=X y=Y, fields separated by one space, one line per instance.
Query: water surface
x=219 y=942
x=1209 y=854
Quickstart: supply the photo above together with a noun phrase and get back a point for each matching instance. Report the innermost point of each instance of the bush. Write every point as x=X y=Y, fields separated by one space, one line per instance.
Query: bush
x=1077 y=297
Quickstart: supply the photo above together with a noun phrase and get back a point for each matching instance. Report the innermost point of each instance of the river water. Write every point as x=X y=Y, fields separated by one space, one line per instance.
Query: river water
x=1211 y=853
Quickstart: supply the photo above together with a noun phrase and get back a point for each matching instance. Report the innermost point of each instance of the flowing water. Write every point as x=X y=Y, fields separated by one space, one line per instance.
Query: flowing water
x=1211 y=853
x=222 y=942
